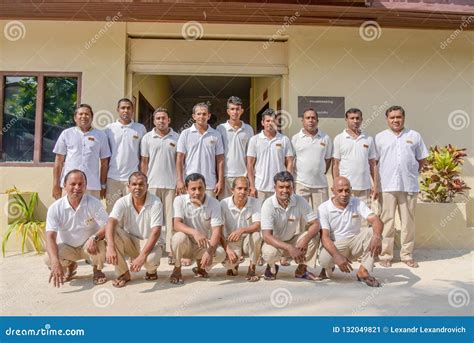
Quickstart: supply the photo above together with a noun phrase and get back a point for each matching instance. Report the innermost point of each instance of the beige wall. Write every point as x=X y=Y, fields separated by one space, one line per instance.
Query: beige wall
x=259 y=85
x=155 y=88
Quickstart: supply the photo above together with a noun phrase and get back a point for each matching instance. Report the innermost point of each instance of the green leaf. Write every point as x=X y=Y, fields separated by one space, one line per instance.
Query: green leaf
x=10 y=230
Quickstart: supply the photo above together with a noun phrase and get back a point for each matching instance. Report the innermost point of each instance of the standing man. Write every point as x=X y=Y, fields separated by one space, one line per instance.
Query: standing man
x=354 y=157
x=158 y=150
x=133 y=230
x=75 y=231
x=82 y=147
x=200 y=150
x=198 y=224
x=241 y=215
x=289 y=228
x=342 y=237
x=269 y=153
x=124 y=137
x=235 y=135
x=313 y=149
x=402 y=153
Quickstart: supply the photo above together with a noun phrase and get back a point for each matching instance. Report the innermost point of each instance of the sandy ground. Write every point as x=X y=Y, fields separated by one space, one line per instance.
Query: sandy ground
x=443 y=285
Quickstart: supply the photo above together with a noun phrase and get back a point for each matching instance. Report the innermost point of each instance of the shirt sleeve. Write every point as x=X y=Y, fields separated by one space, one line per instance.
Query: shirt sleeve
x=182 y=143
x=52 y=219
x=157 y=214
x=308 y=213
x=104 y=147
x=220 y=145
x=144 y=144
x=377 y=146
x=216 y=215
x=178 y=207
x=421 y=150
x=364 y=210
x=288 y=147
x=256 y=211
x=118 y=210
x=328 y=142
x=336 y=149
x=267 y=215
x=60 y=147
x=324 y=218
x=372 y=152
x=252 y=149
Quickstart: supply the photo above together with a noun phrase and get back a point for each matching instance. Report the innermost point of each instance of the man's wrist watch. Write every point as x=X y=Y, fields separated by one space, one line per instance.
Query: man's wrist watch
x=103 y=186
x=95 y=238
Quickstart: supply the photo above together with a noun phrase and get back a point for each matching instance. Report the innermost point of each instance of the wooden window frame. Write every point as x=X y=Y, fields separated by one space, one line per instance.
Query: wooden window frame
x=38 y=113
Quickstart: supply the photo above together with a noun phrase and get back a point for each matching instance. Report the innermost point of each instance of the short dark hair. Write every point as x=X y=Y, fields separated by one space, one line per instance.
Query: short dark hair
x=283 y=176
x=137 y=174
x=75 y=171
x=395 y=108
x=194 y=177
x=200 y=104
x=310 y=109
x=234 y=100
x=269 y=112
x=160 y=109
x=124 y=100
x=353 y=110
x=84 y=106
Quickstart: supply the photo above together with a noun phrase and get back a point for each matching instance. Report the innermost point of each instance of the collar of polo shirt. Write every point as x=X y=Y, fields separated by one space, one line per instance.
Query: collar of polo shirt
x=231 y=128
x=205 y=203
x=361 y=135
x=401 y=133
x=78 y=129
x=318 y=134
x=124 y=125
x=81 y=203
x=233 y=207
x=147 y=200
x=333 y=208
x=276 y=204
x=195 y=129
x=278 y=135
x=156 y=134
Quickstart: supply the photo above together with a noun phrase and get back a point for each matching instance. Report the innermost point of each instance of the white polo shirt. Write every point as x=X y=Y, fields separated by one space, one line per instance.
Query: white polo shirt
x=398 y=160
x=286 y=222
x=161 y=152
x=354 y=156
x=83 y=151
x=235 y=218
x=140 y=224
x=235 y=147
x=201 y=152
x=124 y=142
x=311 y=153
x=202 y=218
x=270 y=158
x=343 y=223
x=74 y=227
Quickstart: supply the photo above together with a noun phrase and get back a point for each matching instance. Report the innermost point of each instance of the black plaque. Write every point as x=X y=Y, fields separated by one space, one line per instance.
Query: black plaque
x=326 y=106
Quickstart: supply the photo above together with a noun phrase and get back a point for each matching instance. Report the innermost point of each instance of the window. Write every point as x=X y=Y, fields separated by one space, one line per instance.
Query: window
x=34 y=109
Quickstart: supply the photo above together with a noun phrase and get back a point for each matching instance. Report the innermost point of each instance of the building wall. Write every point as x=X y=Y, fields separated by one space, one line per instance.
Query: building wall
x=155 y=88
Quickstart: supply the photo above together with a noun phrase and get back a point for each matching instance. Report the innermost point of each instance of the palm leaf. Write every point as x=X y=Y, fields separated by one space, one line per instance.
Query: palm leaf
x=25 y=236
x=11 y=228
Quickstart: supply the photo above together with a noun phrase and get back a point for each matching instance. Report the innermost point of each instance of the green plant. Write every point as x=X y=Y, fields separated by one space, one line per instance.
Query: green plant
x=24 y=224
x=441 y=174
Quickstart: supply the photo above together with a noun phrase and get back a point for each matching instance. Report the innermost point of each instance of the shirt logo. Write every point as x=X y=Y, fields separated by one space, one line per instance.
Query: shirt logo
x=409 y=141
x=136 y=137
x=91 y=138
x=366 y=146
x=90 y=221
x=291 y=219
x=355 y=216
x=323 y=144
x=172 y=144
x=278 y=145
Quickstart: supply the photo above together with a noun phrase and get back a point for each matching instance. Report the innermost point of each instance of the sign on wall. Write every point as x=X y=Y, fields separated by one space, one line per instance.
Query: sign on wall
x=326 y=106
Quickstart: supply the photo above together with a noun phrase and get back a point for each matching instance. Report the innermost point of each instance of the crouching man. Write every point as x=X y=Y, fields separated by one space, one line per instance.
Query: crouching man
x=133 y=230
x=75 y=231
x=342 y=238
x=198 y=223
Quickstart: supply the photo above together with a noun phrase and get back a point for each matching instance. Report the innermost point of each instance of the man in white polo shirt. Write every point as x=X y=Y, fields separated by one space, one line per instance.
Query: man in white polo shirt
x=354 y=157
x=158 y=150
x=269 y=152
x=342 y=238
x=235 y=135
x=124 y=138
x=313 y=149
x=401 y=154
x=289 y=228
x=200 y=150
x=134 y=230
x=198 y=224
x=75 y=231
x=82 y=147
x=241 y=215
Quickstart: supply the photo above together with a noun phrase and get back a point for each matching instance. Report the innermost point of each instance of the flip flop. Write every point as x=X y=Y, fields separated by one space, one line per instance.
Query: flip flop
x=269 y=276
x=171 y=260
x=200 y=272
x=176 y=279
x=70 y=272
x=411 y=263
x=308 y=276
x=369 y=281
x=151 y=276
x=99 y=278
x=121 y=281
x=285 y=262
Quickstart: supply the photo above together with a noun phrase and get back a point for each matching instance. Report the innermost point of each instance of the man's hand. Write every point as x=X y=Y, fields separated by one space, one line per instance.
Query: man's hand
x=218 y=188
x=375 y=246
x=235 y=236
x=137 y=263
x=111 y=255
x=200 y=239
x=302 y=245
x=343 y=263
x=253 y=192
x=56 y=275
x=206 y=260
x=296 y=254
x=180 y=187
x=57 y=192
x=231 y=255
x=92 y=247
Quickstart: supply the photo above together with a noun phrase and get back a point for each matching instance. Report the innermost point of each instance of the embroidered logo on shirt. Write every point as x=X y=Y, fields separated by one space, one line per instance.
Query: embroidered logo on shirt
x=172 y=144
x=136 y=137
x=91 y=138
x=409 y=141
x=291 y=219
x=323 y=144
x=278 y=145
x=366 y=146
x=90 y=221
x=355 y=216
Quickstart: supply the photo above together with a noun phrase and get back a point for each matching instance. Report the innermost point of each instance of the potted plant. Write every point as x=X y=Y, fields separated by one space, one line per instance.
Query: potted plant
x=441 y=216
x=27 y=228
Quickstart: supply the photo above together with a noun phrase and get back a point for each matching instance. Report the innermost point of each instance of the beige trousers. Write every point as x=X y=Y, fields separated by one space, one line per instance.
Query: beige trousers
x=313 y=196
x=406 y=204
x=251 y=244
x=68 y=254
x=272 y=255
x=352 y=248
x=262 y=196
x=167 y=197
x=95 y=194
x=115 y=190
x=211 y=193
x=128 y=245
x=184 y=246
x=228 y=181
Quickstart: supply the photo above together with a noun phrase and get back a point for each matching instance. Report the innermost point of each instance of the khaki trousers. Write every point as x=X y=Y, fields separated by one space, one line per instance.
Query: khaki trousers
x=184 y=246
x=271 y=254
x=167 y=197
x=352 y=248
x=251 y=244
x=262 y=196
x=211 y=193
x=228 y=181
x=95 y=194
x=406 y=204
x=128 y=245
x=68 y=254
x=115 y=190
x=313 y=196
